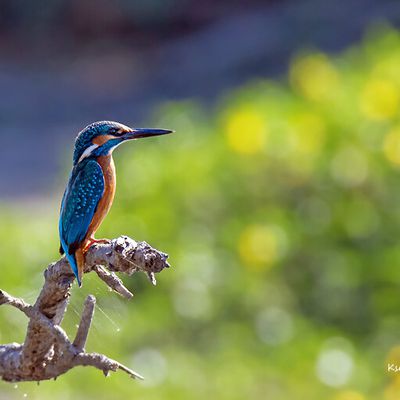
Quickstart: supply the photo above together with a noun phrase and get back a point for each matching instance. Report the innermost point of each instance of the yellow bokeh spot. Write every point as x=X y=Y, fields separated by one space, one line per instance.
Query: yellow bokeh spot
x=246 y=131
x=388 y=68
x=308 y=132
x=349 y=395
x=392 y=391
x=379 y=99
x=314 y=77
x=391 y=146
x=260 y=246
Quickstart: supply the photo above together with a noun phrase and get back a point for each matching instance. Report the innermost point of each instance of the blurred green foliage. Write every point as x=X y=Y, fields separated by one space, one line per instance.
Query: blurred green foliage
x=280 y=210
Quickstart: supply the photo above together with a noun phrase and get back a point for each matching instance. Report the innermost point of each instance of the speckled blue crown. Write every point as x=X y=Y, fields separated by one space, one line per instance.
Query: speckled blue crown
x=86 y=135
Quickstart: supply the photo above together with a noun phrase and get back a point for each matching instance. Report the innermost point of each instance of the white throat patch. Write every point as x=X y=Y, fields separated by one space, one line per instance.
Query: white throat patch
x=88 y=152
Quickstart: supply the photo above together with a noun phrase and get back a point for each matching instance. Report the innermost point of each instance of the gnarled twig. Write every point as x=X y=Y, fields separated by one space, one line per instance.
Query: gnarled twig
x=47 y=351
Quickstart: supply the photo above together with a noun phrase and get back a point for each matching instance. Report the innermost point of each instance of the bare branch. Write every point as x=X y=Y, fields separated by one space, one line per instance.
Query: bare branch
x=47 y=351
x=86 y=321
x=112 y=281
x=6 y=298
x=104 y=363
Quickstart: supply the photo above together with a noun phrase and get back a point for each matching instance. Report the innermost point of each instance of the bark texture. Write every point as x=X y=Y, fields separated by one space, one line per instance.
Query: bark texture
x=47 y=352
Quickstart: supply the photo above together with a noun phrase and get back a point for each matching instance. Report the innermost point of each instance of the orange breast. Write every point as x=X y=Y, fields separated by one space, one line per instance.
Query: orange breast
x=107 y=165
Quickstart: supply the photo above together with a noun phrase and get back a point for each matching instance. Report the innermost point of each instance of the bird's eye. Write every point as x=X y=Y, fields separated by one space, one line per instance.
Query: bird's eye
x=114 y=131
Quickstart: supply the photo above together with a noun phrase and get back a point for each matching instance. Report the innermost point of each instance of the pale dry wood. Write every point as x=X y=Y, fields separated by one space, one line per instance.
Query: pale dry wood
x=47 y=351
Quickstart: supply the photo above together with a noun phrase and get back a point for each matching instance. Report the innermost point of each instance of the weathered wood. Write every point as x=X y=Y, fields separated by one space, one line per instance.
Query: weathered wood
x=47 y=351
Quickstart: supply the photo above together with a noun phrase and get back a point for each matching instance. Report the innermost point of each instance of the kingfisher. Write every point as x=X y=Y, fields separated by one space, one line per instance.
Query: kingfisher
x=91 y=187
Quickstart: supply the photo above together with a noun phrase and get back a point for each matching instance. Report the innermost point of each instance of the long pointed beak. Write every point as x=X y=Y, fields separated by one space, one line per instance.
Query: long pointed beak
x=137 y=133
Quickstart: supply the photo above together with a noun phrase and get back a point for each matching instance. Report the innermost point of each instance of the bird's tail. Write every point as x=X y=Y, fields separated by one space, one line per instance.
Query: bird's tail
x=74 y=266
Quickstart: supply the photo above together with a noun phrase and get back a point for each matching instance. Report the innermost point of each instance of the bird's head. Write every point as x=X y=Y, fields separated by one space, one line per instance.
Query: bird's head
x=100 y=138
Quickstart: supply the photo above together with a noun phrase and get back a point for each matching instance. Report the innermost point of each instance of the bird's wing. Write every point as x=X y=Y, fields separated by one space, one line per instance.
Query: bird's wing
x=83 y=193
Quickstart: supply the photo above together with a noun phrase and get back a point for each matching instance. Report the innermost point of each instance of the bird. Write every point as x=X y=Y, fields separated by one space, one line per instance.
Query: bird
x=90 y=191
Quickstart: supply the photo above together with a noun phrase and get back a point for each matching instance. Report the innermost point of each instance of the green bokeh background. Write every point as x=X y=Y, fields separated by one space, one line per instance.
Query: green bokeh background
x=279 y=207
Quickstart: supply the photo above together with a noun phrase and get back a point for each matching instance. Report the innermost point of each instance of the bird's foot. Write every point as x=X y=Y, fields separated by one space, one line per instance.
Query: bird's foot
x=92 y=241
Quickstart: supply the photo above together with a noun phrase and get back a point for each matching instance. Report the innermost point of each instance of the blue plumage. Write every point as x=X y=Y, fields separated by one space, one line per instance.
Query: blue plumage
x=83 y=193
x=91 y=187
x=85 y=137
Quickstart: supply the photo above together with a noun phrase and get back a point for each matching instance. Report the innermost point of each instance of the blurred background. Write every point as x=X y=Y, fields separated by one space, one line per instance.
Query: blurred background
x=277 y=198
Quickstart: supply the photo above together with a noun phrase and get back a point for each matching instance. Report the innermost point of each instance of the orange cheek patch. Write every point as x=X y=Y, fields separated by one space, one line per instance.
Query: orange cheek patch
x=99 y=140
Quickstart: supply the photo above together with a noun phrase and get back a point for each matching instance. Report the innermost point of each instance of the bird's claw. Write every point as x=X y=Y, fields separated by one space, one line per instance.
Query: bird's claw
x=92 y=241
